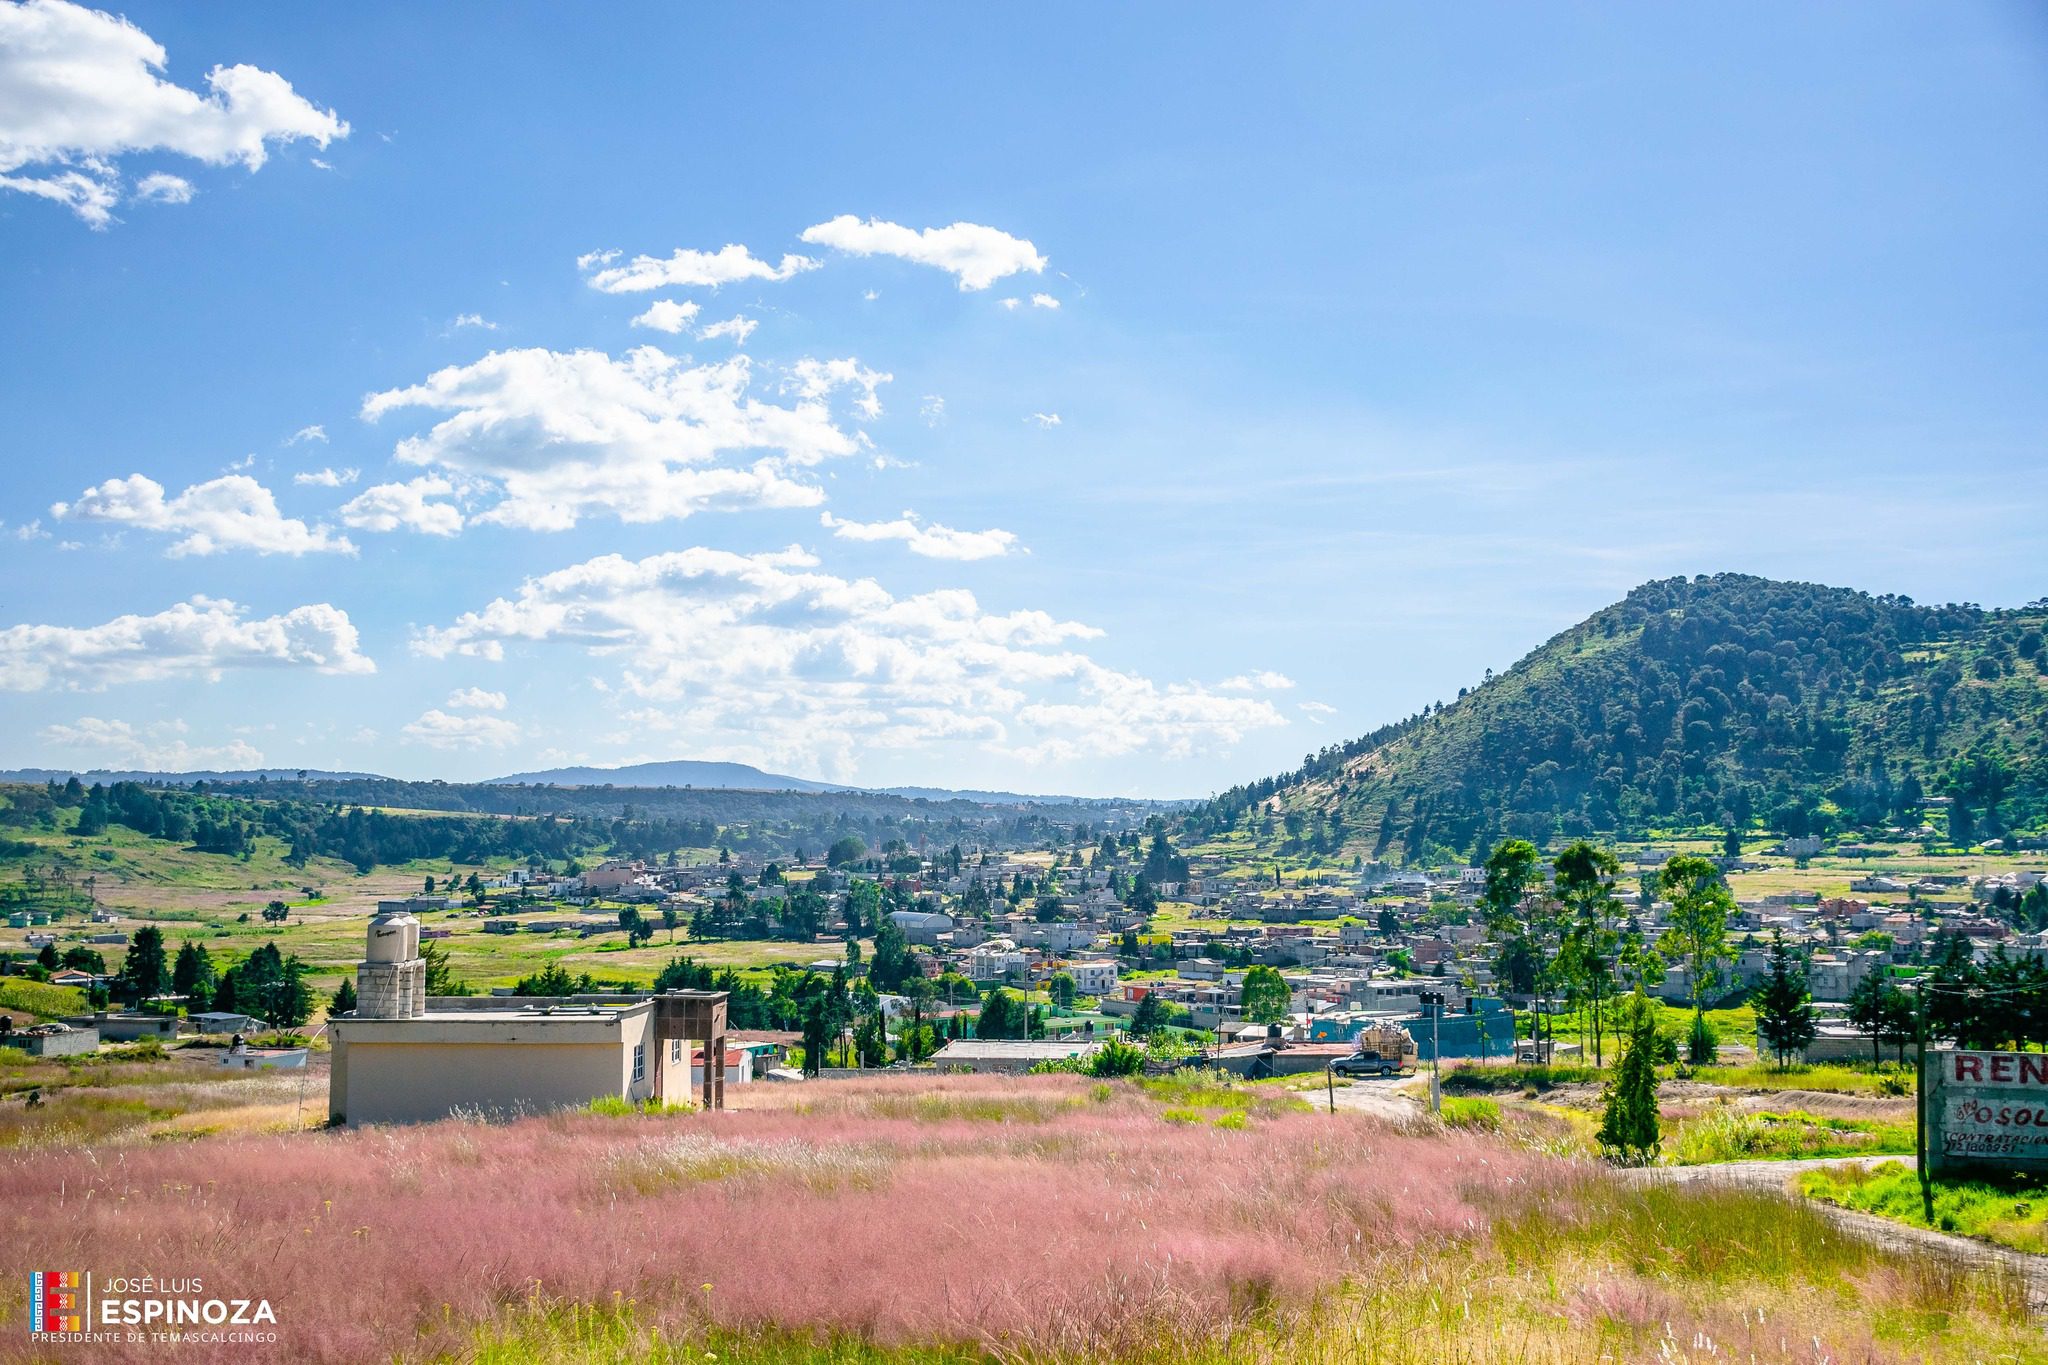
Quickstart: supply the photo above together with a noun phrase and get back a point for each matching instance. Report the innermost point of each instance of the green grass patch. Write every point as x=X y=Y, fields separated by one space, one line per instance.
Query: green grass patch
x=1728 y=1135
x=2012 y=1213
x=618 y=1106
x=1834 y=1078
x=1201 y=1094
x=1471 y=1111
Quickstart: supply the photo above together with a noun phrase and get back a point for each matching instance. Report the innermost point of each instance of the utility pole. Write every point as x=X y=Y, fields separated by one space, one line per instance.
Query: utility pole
x=1920 y=1107
x=1434 y=1001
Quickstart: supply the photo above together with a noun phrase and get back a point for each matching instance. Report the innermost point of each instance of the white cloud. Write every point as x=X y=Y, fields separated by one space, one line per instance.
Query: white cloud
x=766 y=657
x=326 y=478
x=233 y=512
x=1012 y=304
x=667 y=315
x=440 y=730
x=31 y=530
x=392 y=506
x=933 y=410
x=739 y=329
x=203 y=637
x=685 y=269
x=976 y=256
x=1264 y=681
x=817 y=379
x=646 y=436
x=475 y=699
x=157 y=748
x=1044 y=301
x=476 y=320
x=80 y=88
x=933 y=542
x=315 y=432
x=161 y=188
x=1317 y=711
x=1046 y=420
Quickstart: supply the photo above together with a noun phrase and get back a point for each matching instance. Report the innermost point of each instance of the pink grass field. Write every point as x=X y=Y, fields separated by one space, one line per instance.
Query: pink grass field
x=1051 y=1216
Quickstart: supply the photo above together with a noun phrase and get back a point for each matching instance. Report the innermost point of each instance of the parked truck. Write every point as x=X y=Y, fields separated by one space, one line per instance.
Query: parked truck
x=1383 y=1050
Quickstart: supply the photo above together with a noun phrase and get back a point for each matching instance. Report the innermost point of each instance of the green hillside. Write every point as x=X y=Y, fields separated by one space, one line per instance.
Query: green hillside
x=1704 y=703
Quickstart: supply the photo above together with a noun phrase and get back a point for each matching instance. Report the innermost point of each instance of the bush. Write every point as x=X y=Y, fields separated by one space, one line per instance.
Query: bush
x=1702 y=1042
x=1116 y=1058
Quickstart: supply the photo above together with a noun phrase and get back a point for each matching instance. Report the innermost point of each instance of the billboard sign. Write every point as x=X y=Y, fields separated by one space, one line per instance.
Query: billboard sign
x=1987 y=1110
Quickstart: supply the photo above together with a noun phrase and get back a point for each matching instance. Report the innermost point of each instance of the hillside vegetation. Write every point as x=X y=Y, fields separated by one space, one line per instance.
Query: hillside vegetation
x=1713 y=702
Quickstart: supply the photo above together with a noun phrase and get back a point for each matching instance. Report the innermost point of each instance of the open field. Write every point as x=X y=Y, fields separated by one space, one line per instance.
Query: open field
x=1032 y=1219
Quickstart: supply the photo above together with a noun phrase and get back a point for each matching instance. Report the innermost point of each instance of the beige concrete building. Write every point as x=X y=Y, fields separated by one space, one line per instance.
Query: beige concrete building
x=402 y=1057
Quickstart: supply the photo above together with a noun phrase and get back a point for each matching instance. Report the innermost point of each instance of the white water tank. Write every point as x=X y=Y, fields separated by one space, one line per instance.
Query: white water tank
x=394 y=938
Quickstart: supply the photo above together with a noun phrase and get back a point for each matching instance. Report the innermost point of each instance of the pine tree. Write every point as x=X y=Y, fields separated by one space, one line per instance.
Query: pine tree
x=1628 y=1129
x=1785 y=1020
x=147 y=971
x=344 y=1001
x=193 y=976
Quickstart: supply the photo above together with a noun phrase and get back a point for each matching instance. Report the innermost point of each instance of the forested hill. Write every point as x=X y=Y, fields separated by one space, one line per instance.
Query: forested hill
x=1710 y=702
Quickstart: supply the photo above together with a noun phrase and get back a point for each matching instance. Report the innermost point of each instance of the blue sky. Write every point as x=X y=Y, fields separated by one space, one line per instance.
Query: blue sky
x=1386 y=345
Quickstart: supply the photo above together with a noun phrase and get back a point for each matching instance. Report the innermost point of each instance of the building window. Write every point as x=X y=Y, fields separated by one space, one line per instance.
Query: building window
x=675 y=1049
x=639 y=1062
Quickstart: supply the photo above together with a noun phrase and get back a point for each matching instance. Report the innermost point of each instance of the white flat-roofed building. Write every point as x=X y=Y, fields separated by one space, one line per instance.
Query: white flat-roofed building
x=401 y=1058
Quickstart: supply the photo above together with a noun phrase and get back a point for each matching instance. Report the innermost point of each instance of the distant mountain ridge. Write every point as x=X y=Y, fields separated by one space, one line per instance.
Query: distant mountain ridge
x=1718 y=701
x=691 y=772
x=183 y=779
x=681 y=772
x=701 y=774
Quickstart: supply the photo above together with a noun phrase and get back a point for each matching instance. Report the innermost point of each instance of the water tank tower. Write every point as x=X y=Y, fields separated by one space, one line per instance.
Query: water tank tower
x=391 y=983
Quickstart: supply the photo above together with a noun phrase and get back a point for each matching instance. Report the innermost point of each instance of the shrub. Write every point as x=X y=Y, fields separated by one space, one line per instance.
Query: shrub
x=1702 y=1042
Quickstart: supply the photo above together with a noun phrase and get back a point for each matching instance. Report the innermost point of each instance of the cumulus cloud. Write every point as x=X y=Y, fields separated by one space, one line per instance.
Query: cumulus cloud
x=476 y=320
x=816 y=379
x=326 y=478
x=667 y=315
x=1317 y=711
x=1046 y=420
x=316 y=432
x=931 y=541
x=933 y=410
x=162 y=188
x=440 y=730
x=233 y=512
x=405 y=506
x=154 y=748
x=1044 y=301
x=645 y=436
x=768 y=655
x=80 y=88
x=1263 y=681
x=684 y=269
x=475 y=699
x=975 y=256
x=201 y=638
